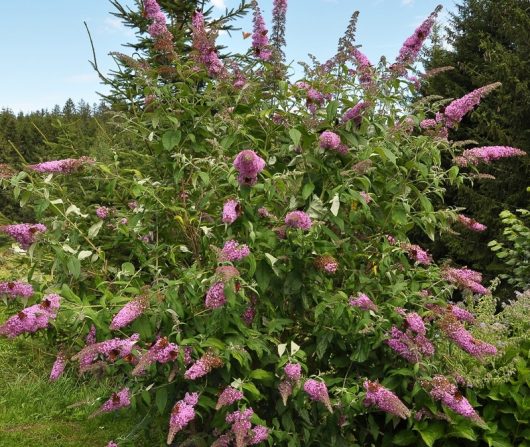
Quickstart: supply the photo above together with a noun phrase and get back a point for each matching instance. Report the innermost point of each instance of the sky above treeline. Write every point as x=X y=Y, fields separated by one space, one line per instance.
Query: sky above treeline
x=45 y=49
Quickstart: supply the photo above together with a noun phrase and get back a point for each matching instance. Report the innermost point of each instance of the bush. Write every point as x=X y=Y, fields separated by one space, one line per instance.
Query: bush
x=249 y=251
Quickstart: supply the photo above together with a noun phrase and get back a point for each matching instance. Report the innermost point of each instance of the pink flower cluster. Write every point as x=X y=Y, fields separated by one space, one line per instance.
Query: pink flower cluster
x=154 y=13
x=182 y=414
x=318 y=391
x=249 y=165
x=58 y=367
x=314 y=98
x=412 y=46
x=14 y=289
x=457 y=109
x=233 y=251
x=102 y=212
x=32 y=318
x=203 y=366
x=487 y=154
x=162 y=352
x=417 y=254
x=260 y=40
x=241 y=430
x=384 y=399
x=363 y=302
x=456 y=332
x=447 y=393
x=111 y=350
x=228 y=397
x=65 y=166
x=472 y=224
x=465 y=279
x=205 y=50
x=329 y=140
x=118 y=400
x=130 y=312
x=231 y=211
x=410 y=346
x=364 y=67
x=293 y=374
x=25 y=234
x=461 y=314
x=298 y=219
x=215 y=297
x=355 y=113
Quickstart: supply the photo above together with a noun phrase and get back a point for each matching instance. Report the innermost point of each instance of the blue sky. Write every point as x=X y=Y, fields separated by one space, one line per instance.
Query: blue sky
x=45 y=49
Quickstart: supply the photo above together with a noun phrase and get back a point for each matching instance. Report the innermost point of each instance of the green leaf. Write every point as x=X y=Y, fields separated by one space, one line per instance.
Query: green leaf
x=307 y=190
x=170 y=139
x=296 y=136
x=335 y=205
x=127 y=268
x=74 y=266
x=405 y=437
x=261 y=374
x=94 y=229
x=161 y=399
x=432 y=432
x=83 y=254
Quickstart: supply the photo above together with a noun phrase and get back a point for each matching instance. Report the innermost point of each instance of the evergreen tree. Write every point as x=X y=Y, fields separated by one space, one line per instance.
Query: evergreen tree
x=488 y=41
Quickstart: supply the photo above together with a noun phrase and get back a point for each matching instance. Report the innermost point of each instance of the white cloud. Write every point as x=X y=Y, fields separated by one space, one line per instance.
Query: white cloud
x=115 y=25
x=407 y=2
x=219 y=4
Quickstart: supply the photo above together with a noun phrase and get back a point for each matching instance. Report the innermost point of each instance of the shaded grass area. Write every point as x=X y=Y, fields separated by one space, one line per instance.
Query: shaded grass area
x=37 y=413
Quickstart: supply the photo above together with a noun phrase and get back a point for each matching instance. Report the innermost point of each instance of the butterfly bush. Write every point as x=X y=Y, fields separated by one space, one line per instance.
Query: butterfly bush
x=314 y=317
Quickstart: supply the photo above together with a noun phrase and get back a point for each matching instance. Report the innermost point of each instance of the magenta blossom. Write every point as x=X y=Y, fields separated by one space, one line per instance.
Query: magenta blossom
x=228 y=397
x=231 y=211
x=363 y=302
x=249 y=165
x=182 y=414
x=25 y=234
x=14 y=289
x=118 y=400
x=293 y=371
x=260 y=40
x=102 y=212
x=471 y=224
x=161 y=352
x=417 y=254
x=58 y=367
x=298 y=219
x=32 y=318
x=447 y=393
x=384 y=399
x=233 y=251
x=486 y=154
x=318 y=391
x=130 y=312
x=355 y=113
x=329 y=140
x=364 y=67
x=204 y=48
x=65 y=166
x=465 y=279
x=215 y=297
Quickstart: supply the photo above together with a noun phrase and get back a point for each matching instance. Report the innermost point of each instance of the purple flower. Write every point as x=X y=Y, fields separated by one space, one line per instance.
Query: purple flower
x=203 y=366
x=415 y=322
x=118 y=400
x=130 y=312
x=409 y=346
x=367 y=198
x=412 y=46
x=329 y=140
x=205 y=51
x=260 y=41
x=465 y=279
x=91 y=336
x=259 y=434
x=457 y=109
x=428 y=123
x=233 y=251
x=447 y=393
x=355 y=113
x=462 y=314
x=102 y=212
x=182 y=414
x=318 y=391
x=417 y=254
x=32 y=318
x=113 y=349
x=363 y=302
x=472 y=224
x=231 y=211
x=298 y=219
x=215 y=297
x=384 y=399
x=487 y=154
x=112 y=444
x=293 y=371
x=14 y=289
x=65 y=166
x=25 y=234
x=162 y=352
x=228 y=397
x=327 y=264
x=249 y=165
x=464 y=339
x=364 y=67
x=58 y=367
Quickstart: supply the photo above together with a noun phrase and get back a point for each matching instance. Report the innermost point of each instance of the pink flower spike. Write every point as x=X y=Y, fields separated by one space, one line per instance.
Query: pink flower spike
x=471 y=224
x=118 y=400
x=384 y=399
x=14 y=289
x=231 y=211
x=25 y=234
x=58 y=367
x=298 y=219
x=363 y=302
x=228 y=397
x=130 y=312
x=318 y=391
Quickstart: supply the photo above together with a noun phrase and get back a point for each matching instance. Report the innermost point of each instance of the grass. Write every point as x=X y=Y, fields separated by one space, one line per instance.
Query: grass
x=35 y=412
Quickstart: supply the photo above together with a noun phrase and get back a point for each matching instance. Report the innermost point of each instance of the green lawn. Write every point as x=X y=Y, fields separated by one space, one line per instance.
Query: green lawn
x=37 y=413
